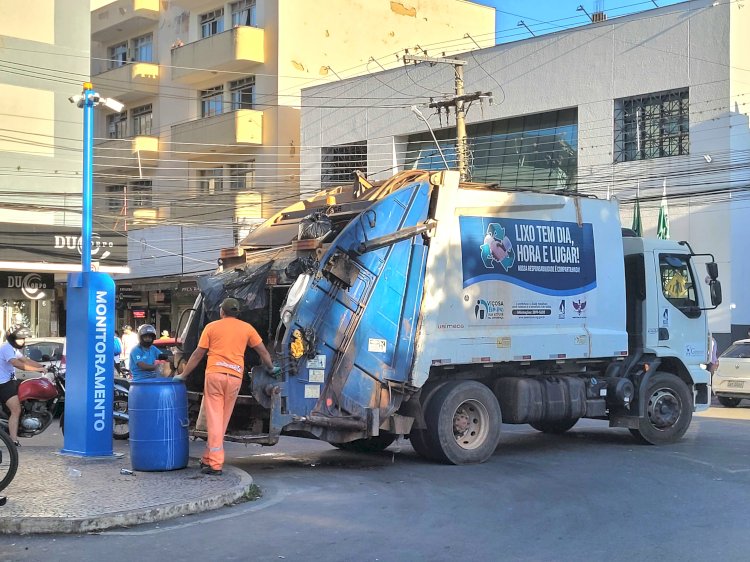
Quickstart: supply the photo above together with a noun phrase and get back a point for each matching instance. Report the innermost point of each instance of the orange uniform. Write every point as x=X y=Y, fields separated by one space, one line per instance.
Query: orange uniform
x=226 y=341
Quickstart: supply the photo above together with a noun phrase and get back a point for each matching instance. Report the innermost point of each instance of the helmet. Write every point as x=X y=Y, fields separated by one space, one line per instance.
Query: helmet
x=146 y=334
x=17 y=332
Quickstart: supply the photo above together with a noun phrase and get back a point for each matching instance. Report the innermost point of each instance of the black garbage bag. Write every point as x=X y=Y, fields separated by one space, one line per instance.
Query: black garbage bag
x=300 y=266
x=314 y=225
x=247 y=285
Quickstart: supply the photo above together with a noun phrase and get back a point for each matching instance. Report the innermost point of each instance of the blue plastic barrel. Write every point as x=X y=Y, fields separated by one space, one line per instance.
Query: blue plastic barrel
x=158 y=424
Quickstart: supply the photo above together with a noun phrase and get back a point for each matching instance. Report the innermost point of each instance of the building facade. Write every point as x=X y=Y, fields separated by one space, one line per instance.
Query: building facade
x=209 y=143
x=633 y=106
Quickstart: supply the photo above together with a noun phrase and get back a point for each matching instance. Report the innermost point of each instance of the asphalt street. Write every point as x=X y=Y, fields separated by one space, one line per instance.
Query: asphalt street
x=592 y=494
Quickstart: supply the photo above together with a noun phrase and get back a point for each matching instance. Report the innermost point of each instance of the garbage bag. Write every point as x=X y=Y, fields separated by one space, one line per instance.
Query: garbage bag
x=246 y=285
x=315 y=225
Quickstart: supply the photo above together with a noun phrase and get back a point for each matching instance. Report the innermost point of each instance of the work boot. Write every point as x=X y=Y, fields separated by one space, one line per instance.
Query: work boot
x=211 y=471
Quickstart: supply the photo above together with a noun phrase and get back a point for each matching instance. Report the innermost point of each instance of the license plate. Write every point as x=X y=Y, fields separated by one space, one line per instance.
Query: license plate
x=736 y=384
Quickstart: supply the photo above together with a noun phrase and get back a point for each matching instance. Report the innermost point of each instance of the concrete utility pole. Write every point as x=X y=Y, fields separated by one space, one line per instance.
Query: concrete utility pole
x=458 y=102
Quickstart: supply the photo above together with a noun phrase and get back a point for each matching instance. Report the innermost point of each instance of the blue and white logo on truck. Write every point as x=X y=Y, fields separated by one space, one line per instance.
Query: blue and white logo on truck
x=548 y=257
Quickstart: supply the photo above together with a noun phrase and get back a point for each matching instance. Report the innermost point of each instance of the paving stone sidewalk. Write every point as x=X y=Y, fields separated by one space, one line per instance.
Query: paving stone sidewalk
x=55 y=493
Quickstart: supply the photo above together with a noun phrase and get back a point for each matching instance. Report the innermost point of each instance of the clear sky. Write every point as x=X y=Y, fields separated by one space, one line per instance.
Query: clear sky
x=558 y=13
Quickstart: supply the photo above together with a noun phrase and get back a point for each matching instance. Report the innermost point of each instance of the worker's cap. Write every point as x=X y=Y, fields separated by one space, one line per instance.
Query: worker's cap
x=230 y=306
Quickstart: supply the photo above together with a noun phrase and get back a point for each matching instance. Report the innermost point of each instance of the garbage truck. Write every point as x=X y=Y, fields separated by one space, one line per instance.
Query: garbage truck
x=437 y=311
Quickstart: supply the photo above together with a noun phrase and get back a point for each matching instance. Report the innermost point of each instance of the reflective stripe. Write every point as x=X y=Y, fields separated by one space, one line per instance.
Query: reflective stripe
x=214 y=449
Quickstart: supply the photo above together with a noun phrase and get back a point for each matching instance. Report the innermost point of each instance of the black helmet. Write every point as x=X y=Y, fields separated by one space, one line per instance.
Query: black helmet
x=146 y=334
x=17 y=332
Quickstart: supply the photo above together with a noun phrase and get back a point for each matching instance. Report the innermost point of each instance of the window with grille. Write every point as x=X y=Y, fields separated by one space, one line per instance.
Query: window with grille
x=211 y=101
x=117 y=125
x=652 y=126
x=243 y=13
x=142 y=118
x=117 y=55
x=242 y=176
x=210 y=181
x=242 y=93
x=142 y=194
x=141 y=48
x=115 y=198
x=340 y=162
x=212 y=23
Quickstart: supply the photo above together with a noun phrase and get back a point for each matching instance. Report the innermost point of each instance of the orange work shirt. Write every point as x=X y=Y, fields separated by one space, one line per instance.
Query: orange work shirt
x=226 y=340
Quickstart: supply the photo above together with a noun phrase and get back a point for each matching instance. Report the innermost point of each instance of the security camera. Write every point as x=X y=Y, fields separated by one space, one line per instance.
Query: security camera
x=77 y=99
x=113 y=104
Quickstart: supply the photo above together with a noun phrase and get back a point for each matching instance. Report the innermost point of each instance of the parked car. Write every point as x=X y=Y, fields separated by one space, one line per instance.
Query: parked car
x=46 y=351
x=731 y=382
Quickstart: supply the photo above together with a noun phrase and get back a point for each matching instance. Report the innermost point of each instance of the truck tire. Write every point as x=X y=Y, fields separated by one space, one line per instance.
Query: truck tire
x=729 y=402
x=463 y=423
x=555 y=426
x=669 y=410
x=368 y=445
x=419 y=440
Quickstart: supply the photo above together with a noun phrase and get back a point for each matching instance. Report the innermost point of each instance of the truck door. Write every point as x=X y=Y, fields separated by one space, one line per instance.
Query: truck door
x=680 y=322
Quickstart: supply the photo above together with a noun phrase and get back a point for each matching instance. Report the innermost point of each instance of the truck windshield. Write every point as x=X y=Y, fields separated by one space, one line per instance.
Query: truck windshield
x=677 y=283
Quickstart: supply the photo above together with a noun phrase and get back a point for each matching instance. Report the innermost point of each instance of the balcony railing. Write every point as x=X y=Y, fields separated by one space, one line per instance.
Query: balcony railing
x=129 y=82
x=123 y=18
x=226 y=132
x=126 y=154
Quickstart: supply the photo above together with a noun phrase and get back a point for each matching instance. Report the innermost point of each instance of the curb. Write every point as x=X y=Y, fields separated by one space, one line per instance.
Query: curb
x=126 y=518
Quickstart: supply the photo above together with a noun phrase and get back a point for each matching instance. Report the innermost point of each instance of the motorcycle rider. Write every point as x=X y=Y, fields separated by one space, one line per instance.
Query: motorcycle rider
x=144 y=356
x=10 y=358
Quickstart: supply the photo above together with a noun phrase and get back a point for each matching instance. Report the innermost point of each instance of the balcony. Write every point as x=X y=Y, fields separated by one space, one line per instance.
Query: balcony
x=129 y=82
x=233 y=130
x=123 y=17
x=123 y=154
x=233 y=50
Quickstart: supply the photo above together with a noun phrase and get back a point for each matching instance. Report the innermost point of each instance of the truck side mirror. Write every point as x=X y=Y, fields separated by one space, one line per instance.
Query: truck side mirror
x=715 y=288
x=713 y=271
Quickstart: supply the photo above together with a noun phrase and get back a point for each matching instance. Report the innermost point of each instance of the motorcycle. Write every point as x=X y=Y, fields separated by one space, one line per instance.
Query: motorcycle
x=41 y=398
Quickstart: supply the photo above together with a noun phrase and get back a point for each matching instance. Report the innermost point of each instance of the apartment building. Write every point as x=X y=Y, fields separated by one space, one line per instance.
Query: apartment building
x=41 y=64
x=635 y=105
x=209 y=143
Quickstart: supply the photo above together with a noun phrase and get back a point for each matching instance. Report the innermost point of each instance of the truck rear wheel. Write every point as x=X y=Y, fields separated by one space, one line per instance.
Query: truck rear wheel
x=554 y=426
x=669 y=410
x=463 y=423
x=367 y=445
x=419 y=440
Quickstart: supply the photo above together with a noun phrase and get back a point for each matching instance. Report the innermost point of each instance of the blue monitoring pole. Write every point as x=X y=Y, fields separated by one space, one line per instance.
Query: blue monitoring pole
x=90 y=327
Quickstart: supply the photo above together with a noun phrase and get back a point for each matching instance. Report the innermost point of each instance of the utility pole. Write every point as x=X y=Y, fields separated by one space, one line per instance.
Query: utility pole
x=457 y=102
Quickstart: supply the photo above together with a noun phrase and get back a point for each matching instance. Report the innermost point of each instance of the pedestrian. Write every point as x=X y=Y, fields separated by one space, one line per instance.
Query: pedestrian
x=129 y=341
x=118 y=353
x=144 y=356
x=225 y=341
x=10 y=358
x=713 y=363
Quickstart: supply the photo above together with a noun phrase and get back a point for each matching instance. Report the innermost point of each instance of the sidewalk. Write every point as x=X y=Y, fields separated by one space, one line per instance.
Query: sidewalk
x=53 y=493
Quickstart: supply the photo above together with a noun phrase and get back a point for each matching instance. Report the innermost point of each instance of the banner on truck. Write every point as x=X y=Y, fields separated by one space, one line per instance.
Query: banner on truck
x=548 y=257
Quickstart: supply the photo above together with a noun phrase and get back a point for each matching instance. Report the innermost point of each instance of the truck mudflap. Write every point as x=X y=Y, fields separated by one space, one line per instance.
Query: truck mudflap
x=348 y=350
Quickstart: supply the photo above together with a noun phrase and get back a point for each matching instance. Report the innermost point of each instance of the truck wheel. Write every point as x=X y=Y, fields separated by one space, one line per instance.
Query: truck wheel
x=669 y=410
x=554 y=426
x=729 y=402
x=419 y=439
x=463 y=423
x=368 y=445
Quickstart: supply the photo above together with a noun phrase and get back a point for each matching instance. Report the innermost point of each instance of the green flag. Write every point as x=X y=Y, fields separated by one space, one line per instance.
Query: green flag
x=637 y=227
x=662 y=228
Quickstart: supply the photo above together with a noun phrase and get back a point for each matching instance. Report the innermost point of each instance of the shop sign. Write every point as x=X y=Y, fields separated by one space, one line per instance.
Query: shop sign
x=33 y=286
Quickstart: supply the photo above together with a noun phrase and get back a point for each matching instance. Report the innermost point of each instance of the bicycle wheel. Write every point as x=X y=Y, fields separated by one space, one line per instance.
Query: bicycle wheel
x=8 y=460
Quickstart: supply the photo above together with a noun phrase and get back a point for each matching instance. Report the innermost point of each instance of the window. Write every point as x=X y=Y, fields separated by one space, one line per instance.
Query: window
x=339 y=163
x=211 y=101
x=117 y=125
x=677 y=284
x=242 y=176
x=243 y=13
x=737 y=351
x=142 y=120
x=652 y=126
x=212 y=23
x=141 y=48
x=210 y=181
x=117 y=55
x=243 y=93
x=142 y=194
x=115 y=198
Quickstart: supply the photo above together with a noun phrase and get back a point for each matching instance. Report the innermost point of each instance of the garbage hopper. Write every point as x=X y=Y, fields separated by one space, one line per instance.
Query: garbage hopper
x=158 y=424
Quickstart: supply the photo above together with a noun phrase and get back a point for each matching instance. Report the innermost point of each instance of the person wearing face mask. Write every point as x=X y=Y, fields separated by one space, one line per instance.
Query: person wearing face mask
x=10 y=358
x=143 y=357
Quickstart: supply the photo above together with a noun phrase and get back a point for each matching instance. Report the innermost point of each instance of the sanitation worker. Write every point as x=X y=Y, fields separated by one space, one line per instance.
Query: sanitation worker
x=225 y=341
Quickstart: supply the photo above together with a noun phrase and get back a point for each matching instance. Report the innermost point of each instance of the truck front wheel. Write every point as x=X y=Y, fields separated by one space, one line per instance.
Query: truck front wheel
x=669 y=410
x=555 y=426
x=463 y=423
x=368 y=445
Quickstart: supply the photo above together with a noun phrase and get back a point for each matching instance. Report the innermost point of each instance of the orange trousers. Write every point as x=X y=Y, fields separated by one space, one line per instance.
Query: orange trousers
x=219 y=395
